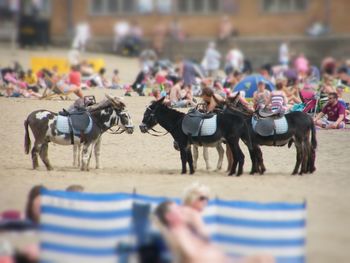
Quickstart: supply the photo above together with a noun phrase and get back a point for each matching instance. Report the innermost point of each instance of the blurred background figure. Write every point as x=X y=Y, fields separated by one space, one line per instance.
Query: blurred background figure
x=121 y=31
x=211 y=60
x=301 y=64
x=82 y=35
x=283 y=54
x=234 y=60
x=160 y=32
x=226 y=29
x=176 y=30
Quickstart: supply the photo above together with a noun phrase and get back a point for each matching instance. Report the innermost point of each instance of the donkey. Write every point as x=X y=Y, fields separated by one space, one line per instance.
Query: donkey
x=44 y=125
x=300 y=128
x=228 y=127
x=219 y=148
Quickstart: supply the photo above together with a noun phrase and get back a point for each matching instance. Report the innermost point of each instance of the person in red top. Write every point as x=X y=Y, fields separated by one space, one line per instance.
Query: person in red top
x=335 y=112
x=75 y=76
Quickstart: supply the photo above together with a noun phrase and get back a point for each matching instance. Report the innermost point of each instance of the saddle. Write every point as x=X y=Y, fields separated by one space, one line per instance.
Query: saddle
x=197 y=124
x=267 y=113
x=268 y=123
x=79 y=121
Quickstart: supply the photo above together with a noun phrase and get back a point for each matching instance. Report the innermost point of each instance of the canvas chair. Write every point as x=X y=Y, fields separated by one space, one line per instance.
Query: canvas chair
x=54 y=93
x=99 y=227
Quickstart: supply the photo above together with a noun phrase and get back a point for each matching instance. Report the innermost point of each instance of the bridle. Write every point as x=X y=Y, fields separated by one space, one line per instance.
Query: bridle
x=119 y=126
x=152 y=117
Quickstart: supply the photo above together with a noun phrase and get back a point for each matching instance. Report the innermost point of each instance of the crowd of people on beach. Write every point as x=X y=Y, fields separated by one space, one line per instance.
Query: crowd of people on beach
x=18 y=82
x=293 y=84
x=290 y=85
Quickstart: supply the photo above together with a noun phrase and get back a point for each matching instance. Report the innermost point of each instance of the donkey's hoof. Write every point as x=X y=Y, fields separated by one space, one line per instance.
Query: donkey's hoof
x=50 y=168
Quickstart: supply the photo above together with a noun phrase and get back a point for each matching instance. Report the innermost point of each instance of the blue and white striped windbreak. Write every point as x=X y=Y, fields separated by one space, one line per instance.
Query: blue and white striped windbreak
x=91 y=227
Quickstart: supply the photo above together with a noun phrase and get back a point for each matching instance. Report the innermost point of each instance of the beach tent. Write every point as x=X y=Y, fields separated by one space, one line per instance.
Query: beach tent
x=250 y=84
x=100 y=227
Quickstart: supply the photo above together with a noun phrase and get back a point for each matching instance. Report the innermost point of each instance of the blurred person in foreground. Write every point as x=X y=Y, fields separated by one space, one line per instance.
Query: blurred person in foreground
x=187 y=246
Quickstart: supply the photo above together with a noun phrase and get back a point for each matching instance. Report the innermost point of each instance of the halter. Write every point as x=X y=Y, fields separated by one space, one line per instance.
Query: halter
x=120 y=126
x=152 y=114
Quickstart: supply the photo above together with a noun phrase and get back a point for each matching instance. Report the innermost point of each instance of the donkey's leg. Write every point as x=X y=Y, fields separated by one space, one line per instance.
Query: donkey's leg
x=79 y=155
x=240 y=159
x=235 y=155
x=311 y=160
x=190 y=160
x=206 y=157
x=44 y=156
x=183 y=154
x=254 y=159
x=195 y=156
x=97 y=151
x=305 y=157
x=238 y=156
x=34 y=153
x=221 y=152
x=76 y=154
x=298 y=146
x=260 y=160
x=86 y=155
x=229 y=157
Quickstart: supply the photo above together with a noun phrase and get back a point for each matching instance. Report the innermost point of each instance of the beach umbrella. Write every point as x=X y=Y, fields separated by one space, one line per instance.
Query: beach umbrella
x=250 y=84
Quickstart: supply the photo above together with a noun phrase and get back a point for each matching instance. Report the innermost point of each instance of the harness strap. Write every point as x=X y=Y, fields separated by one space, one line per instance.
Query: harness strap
x=199 y=132
x=274 y=134
x=71 y=130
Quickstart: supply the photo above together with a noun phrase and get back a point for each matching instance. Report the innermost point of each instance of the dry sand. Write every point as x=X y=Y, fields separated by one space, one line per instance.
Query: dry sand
x=152 y=166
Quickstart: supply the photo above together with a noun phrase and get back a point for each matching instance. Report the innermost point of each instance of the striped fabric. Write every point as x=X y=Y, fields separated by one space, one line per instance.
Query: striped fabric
x=87 y=227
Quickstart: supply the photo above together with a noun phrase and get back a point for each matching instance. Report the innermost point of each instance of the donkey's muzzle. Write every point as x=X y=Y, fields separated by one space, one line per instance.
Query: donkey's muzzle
x=130 y=129
x=143 y=128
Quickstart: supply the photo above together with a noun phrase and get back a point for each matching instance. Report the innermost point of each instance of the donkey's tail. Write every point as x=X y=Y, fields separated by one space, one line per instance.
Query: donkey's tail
x=313 y=136
x=311 y=162
x=26 y=137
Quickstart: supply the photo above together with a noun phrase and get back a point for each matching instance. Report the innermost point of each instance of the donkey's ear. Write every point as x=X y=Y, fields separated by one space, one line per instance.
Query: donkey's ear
x=236 y=98
x=161 y=101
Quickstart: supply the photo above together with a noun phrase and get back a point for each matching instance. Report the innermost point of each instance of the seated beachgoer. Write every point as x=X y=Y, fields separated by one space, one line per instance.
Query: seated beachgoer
x=32 y=210
x=335 y=112
x=278 y=100
x=115 y=81
x=62 y=84
x=32 y=81
x=211 y=99
x=16 y=86
x=180 y=96
x=327 y=86
x=261 y=96
x=195 y=199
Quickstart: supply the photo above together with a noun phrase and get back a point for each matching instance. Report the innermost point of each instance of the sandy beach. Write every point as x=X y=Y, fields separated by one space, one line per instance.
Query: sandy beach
x=152 y=166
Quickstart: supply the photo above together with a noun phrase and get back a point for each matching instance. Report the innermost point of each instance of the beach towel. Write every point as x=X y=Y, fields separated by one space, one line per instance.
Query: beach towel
x=96 y=227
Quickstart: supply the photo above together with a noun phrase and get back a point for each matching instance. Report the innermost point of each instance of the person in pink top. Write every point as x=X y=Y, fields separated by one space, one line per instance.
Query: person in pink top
x=301 y=64
x=335 y=112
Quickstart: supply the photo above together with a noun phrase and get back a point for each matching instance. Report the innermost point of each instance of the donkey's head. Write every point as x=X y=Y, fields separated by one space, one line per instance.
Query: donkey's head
x=149 y=117
x=235 y=103
x=125 y=120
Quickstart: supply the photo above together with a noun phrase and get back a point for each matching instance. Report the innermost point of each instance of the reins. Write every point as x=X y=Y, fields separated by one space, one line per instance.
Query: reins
x=157 y=135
